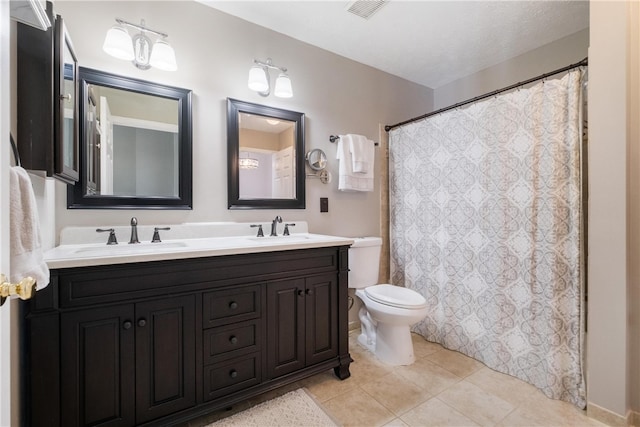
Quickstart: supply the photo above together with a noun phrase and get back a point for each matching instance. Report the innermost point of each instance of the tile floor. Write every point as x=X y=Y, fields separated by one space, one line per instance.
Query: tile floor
x=442 y=388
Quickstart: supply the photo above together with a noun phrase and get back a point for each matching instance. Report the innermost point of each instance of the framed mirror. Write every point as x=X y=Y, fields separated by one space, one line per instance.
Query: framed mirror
x=135 y=144
x=265 y=157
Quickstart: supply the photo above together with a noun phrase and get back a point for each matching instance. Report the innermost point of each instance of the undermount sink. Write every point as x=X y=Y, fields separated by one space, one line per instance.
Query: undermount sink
x=125 y=248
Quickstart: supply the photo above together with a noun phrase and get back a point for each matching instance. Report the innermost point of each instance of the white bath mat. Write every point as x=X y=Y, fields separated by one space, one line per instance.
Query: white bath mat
x=293 y=409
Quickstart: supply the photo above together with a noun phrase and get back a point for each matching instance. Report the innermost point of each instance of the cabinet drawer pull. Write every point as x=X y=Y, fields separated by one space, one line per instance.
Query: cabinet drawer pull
x=233 y=339
x=142 y=322
x=127 y=324
x=233 y=373
x=309 y=292
x=233 y=305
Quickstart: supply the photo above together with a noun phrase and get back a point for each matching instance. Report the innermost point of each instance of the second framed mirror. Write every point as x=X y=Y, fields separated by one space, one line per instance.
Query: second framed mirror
x=265 y=157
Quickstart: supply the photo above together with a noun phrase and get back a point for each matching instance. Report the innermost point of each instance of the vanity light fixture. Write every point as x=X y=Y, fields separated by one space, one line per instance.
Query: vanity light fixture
x=259 y=79
x=139 y=49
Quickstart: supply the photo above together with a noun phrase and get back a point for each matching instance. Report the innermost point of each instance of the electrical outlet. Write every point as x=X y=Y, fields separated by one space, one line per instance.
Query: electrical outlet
x=324 y=204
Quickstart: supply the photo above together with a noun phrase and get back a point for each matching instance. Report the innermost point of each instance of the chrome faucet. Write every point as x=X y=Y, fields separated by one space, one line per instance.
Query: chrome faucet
x=134 y=231
x=274 y=224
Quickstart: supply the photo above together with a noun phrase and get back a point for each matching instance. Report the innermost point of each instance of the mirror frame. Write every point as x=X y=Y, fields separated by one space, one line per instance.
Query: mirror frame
x=234 y=108
x=77 y=197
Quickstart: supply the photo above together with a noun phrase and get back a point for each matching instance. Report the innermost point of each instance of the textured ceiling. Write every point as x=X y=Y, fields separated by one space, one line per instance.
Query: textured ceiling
x=428 y=42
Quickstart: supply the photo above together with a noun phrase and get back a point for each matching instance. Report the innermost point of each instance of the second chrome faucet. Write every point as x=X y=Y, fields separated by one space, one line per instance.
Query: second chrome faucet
x=134 y=231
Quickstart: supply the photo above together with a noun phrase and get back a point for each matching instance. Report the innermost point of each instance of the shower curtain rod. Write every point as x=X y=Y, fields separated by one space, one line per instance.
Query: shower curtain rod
x=582 y=63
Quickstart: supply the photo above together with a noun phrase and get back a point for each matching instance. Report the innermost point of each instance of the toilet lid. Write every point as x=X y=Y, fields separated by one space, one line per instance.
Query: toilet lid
x=396 y=296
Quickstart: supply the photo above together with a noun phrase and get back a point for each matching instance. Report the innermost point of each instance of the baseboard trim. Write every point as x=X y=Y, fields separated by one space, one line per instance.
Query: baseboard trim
x=606 y=416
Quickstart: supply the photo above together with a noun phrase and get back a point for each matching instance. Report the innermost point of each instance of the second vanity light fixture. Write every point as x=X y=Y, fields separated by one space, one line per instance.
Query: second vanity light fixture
x=139 y=49
x=259 y=79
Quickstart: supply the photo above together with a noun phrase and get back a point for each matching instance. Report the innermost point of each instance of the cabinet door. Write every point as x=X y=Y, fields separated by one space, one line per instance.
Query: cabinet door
x=321 y=300
x=165 y=357
x=285 y=327
x=97 y=363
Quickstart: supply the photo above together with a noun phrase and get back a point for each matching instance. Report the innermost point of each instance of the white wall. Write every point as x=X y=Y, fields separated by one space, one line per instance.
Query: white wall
x=552 y=56
x=607 y=374
x=214 y=53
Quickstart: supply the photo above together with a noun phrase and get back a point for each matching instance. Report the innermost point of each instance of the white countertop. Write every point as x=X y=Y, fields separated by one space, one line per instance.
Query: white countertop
x=92 y=254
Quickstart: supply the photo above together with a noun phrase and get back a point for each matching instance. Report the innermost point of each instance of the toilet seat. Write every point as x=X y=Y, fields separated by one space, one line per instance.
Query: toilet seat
x=396 y=296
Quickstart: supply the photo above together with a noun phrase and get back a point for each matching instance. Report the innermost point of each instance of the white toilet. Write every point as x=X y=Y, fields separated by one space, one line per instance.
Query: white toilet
x=388 y=310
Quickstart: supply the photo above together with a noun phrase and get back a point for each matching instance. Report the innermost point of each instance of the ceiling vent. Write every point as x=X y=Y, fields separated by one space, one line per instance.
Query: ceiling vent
x=365 y=8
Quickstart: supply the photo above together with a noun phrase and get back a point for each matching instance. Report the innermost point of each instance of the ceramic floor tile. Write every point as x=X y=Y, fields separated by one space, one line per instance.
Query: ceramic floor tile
x=365 y=367
x=455 y=362
x=357 y=408
x=504 y=386
x=396 y=423
x=482 y=407
x=422 y=347
x=435 y=412
x=395 y=393
x=428 y=376
x=326 y=386
x=559 y=412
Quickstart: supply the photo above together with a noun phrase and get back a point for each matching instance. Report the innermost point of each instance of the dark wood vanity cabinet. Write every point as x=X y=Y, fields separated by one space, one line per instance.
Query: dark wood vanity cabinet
x=302 y=319
x=142 y=353
x=159 y=343
x=47 y=93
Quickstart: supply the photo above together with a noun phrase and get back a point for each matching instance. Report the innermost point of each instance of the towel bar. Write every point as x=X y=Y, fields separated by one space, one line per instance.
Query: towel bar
x=334 y=138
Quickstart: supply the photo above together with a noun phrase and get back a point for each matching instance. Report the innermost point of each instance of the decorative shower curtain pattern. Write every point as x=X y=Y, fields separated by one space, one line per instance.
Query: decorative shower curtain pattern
x=486 y=224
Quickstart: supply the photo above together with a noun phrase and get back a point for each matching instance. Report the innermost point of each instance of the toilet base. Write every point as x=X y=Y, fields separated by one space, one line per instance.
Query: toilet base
x=393 y=344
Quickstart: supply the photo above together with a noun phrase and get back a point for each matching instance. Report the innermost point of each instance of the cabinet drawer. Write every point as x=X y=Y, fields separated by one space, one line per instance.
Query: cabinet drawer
x=230 y=341
x=230 y=305
x=228 y=377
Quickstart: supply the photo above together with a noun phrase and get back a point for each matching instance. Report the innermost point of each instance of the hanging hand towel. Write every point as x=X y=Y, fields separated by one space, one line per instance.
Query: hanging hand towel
x=26 y=257
x=362 y=153
x=347 y=179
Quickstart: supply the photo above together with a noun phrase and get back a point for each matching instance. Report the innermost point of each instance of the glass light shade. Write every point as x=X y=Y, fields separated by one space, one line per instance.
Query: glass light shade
x=118 y=43
x=258 y=80
x=248 y=163
x=283 y=87
x=163 y=56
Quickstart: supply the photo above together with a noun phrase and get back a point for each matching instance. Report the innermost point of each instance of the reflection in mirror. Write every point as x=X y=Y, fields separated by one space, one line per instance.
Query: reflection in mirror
x=135 y=144
x=265 y=153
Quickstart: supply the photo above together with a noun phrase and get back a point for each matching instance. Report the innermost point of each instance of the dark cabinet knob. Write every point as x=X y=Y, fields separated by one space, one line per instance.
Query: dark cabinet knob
x=233 y=305
x=309 y=292
x=300 y=292
x=233 y=339
x=127 y=324
x=233 y=373
x=142 y=322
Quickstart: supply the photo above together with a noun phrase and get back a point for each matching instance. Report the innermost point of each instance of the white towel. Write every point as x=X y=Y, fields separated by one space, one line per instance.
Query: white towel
x=362 y=152
x=26 y=257
x=347 y=179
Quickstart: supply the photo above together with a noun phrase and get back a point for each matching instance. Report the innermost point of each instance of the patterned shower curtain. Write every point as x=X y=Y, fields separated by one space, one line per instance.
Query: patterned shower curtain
x=486 y=217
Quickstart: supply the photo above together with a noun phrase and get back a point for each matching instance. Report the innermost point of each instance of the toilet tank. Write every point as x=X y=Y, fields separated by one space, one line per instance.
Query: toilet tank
x=364 y=262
